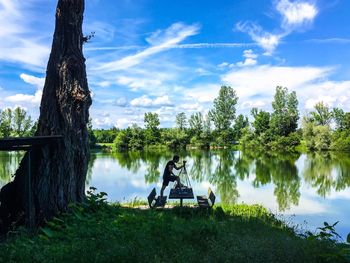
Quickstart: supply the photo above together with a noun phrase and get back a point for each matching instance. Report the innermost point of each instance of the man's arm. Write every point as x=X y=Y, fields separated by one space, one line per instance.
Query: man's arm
x=182 y=166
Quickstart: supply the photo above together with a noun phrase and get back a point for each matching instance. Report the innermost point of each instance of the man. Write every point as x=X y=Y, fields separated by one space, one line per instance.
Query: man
x=169 y=176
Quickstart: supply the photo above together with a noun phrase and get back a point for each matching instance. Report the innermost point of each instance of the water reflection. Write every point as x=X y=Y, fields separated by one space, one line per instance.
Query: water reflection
x=224 y=168
x=325 y=173
x=9 y=161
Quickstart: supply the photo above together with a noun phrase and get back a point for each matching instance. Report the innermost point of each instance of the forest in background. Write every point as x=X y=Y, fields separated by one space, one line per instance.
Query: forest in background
x=323 y=128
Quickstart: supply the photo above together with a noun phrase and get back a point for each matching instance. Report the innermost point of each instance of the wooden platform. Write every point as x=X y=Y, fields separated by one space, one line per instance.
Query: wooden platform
x=26 y=143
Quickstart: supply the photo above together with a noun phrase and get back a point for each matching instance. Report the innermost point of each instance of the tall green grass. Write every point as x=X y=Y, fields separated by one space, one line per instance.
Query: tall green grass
x=100 y=232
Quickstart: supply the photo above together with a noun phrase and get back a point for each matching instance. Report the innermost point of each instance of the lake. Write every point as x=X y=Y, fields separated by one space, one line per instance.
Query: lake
x=305 y=189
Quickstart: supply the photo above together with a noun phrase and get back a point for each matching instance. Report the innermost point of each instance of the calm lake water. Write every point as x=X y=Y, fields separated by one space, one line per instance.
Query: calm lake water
x=306 y=189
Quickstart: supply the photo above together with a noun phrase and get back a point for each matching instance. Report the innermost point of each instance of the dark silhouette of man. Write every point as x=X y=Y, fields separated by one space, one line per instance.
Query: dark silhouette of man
x=169 y=176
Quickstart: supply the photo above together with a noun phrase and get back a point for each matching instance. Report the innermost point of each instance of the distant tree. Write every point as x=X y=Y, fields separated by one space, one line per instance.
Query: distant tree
x=151 y=121
x=308 y=132
x=341 y=119
x=174 y=138
x=152 y=132
x=285 y=115
x=322 y=115
x=322 y=137
x=33 y=129
x=121 y=142
x=241 y=122
x=106 y=135
x=6 y=119
x=181 y=121
x=196 y=123
x=137 y=139
x=261 y=121
x=22 y=123
x=92 y=137
x=224 y=110
x=338 y=116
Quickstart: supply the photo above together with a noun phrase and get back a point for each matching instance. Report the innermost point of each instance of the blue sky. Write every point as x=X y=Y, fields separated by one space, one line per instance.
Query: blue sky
x=172 y=56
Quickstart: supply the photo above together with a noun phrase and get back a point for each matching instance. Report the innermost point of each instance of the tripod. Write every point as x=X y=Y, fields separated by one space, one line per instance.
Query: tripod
x=187 y=181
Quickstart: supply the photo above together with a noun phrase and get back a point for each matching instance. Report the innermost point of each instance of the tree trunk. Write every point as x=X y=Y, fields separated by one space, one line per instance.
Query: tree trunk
x=58 y=170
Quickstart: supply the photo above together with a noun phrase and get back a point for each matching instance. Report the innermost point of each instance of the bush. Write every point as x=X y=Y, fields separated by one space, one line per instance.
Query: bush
x=340 y=141
x=322 y=137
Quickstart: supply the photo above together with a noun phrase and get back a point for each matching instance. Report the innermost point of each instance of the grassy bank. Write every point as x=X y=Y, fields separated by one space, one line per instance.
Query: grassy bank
x=101 y=232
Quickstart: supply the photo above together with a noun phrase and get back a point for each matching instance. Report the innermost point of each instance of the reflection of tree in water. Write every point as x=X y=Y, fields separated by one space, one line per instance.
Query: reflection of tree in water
x=130 y=160
x=152 y=160
x=282 y=171
x=326 y=171
x=243 y=165
x=9 y=162
x=287 y=182
x=201 y=166
x=342 y=163
x=223 y=176
x=90 y=166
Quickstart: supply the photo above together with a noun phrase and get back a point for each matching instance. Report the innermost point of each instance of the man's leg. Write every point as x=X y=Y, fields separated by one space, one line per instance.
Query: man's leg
x=161 y=192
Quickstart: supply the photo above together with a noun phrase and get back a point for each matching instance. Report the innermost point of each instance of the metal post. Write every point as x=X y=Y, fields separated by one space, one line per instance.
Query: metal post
x=29 y=189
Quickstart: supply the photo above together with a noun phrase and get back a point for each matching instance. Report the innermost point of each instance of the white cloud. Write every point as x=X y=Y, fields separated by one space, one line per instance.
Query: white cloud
x=104 y=84
x=122 y=102
x=191 y=107
x=256 y=85
x=160 y=41
x=145 y=101
x=223 y=65
x=333 y=93
x=38 y=82
x=203 y=92
x=262 y=80
x=20 y=44
x=334 y=40
x=266 y=40
x=214 y=45
x=136 y=83
x=249 y=104
x=203 y=72
x=26 y=98
x=297 y=13
x=250 y=59
x=102 y=122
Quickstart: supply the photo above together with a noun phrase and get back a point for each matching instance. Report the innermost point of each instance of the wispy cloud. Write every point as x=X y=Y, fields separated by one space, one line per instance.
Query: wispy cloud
x=160 y=41
x=266 y=40
x=334 y=40
x=179 y=46
x=214 y=45
x=18 y=44
x=295 y=16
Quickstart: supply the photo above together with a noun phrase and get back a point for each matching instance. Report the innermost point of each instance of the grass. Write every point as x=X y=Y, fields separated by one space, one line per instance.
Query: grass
x=102 y=232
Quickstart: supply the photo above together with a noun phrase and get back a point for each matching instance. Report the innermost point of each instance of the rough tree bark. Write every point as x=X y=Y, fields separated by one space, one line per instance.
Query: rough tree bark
x=58 y=170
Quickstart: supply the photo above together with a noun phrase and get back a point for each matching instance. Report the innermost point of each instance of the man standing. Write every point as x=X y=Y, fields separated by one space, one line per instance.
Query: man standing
x=169 y=176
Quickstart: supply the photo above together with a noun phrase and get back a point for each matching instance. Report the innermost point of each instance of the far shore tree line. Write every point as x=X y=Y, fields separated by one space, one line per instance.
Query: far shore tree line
x=321 y=129
x=16 y=123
